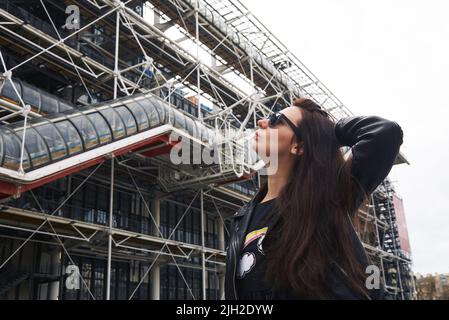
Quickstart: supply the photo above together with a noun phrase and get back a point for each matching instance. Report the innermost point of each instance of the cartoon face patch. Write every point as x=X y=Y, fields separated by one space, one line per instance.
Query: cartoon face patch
x=247 y=262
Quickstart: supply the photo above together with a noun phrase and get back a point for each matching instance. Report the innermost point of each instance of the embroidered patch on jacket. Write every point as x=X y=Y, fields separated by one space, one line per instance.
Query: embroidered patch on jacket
x=259 y=244
x=254 y=235
x=247 y=262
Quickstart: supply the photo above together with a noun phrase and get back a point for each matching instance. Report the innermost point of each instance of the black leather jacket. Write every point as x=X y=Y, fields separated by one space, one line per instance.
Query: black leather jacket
x=374 y=143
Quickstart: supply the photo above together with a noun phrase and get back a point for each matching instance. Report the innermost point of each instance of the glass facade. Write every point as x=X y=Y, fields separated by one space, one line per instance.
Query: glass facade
x=129 y=214
x=125 y=276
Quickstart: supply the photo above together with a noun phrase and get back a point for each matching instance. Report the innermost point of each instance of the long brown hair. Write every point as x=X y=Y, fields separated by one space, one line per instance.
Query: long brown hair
x=312 y=229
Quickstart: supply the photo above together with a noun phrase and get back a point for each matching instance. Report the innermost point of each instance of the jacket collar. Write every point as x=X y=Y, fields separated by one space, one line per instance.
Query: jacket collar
x=248 y=207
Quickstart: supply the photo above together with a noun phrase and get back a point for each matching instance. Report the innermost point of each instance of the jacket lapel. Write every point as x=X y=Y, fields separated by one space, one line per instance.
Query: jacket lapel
x=243 y=217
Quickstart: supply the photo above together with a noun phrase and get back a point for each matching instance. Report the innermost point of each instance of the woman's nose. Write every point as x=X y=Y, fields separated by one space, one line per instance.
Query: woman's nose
x=263 y=123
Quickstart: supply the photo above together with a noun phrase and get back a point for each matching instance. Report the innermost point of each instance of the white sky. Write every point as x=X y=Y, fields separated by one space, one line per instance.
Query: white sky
x=391 y=59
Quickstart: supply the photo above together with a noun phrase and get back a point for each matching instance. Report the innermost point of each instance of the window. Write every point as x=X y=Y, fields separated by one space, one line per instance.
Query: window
x=8 y=91
x=11 y=151
x=87 y=131
x=172 y=282
x=179 y=120
x=49 y=104
x=172 y=218
x=98 y=278
x=139 y=114
x=76 y=201
x=35 y=146
x=169 y=114
x=181 y=286
x=212 y=292
x=154 y=111
x=86 y=271
x=71 y=136
x=189 y=278
x=196 y=228
x=164 y=282
x=188 y=228
x=31 y=96
x=190 y=126
x=54 y=140
x=197 y=284
x=102 y=127
x=116 y=123
x=211 y=243
x=128 y=119
x=64 y=106
x=123 y=275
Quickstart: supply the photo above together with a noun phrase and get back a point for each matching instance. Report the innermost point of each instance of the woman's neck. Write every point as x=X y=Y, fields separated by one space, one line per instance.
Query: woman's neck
x=276 y=183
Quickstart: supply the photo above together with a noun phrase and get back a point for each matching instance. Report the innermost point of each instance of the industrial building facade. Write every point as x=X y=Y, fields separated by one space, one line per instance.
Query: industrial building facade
x=91 y=92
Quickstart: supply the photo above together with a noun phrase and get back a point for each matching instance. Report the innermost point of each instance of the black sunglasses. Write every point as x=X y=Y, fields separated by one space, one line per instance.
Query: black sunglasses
x=277 y=117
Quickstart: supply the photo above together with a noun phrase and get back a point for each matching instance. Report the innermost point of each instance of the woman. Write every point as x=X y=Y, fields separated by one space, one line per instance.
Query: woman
x=295 y=238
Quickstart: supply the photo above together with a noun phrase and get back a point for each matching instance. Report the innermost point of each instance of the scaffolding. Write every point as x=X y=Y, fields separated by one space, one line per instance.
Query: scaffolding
x=378 y=230
x=91 y=92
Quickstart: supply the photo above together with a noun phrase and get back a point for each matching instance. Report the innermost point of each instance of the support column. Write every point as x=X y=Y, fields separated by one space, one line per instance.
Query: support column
x=155 y=277
x=156 y=213
x=221 y=233
x=221 y=285
x=111 y=212
x=203 y=256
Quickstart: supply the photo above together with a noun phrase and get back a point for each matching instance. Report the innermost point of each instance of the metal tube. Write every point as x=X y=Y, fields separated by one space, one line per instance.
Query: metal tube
x=203 y=260
x=111 y=209
x=197 y=38
x=117 y=38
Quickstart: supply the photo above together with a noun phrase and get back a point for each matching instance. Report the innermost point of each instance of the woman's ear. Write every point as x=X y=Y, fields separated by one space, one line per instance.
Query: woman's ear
x=297 y=149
